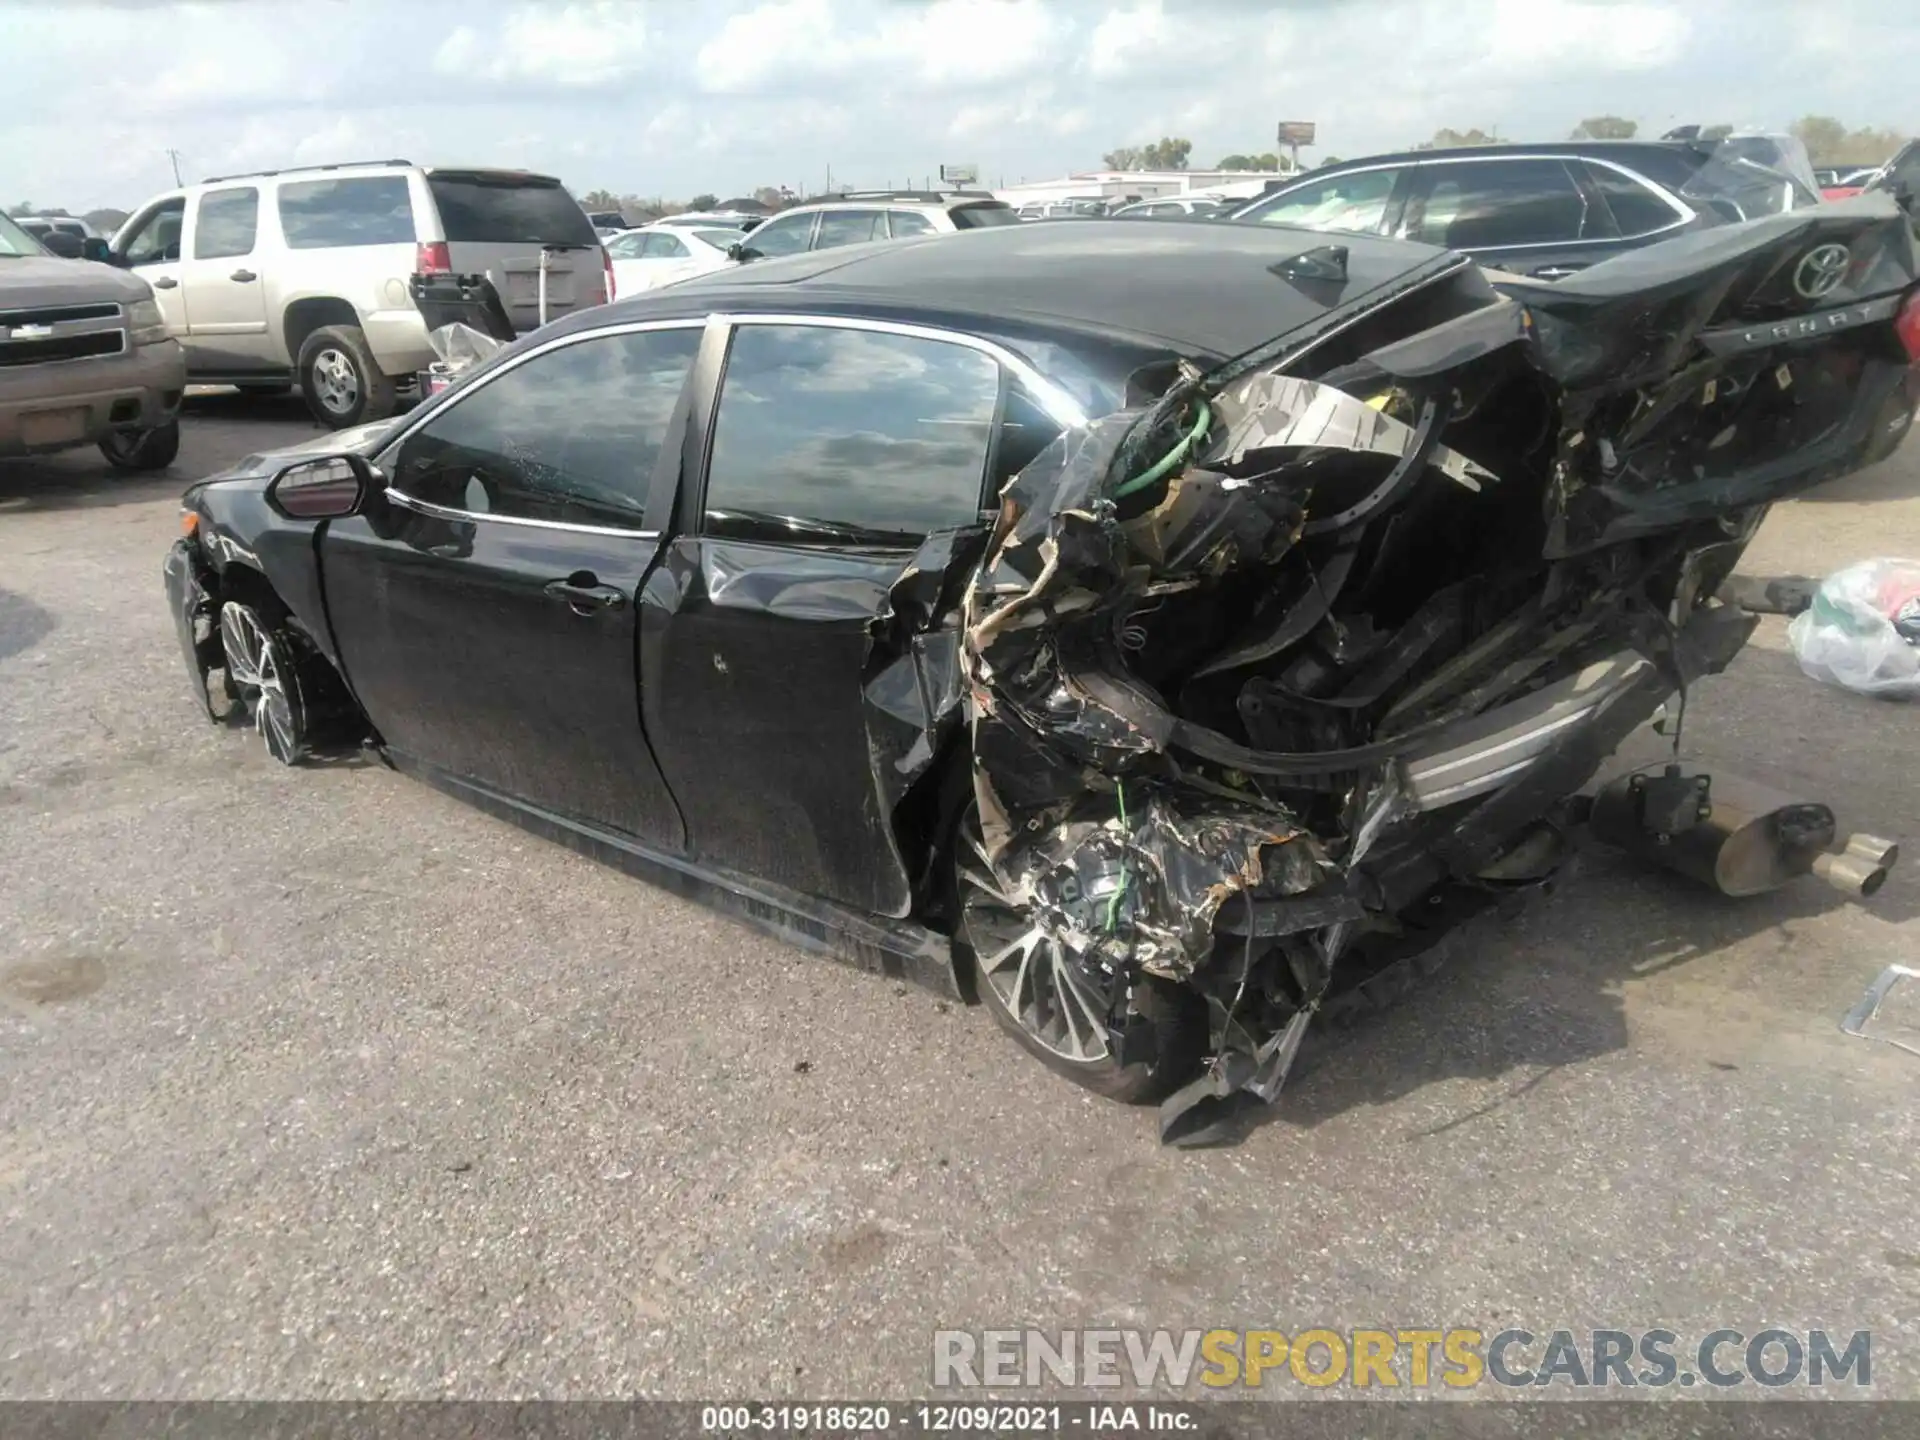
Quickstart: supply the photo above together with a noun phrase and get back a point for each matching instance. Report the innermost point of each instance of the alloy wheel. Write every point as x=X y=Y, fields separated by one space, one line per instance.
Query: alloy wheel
x=258 y=663
x=335 y=381
x=1033 y=977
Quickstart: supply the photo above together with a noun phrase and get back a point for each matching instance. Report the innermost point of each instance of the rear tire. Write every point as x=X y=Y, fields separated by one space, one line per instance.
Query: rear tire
x=153 y=449
x=340 y=380
x=1035 y=993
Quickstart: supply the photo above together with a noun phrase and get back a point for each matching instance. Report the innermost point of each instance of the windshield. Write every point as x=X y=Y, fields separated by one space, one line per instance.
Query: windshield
x=16 y=242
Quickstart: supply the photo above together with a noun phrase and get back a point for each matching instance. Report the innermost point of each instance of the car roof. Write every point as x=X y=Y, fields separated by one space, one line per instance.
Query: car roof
x=1195 y=287
x=1620 y=150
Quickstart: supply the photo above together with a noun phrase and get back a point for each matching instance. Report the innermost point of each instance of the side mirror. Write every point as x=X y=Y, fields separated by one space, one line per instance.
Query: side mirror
x=94 y=248
x=64 y=244
x=331 y=487
x=741 y=251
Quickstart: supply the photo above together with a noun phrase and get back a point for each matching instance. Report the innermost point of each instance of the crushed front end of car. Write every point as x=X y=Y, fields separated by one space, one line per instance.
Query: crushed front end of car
x=1276 y=681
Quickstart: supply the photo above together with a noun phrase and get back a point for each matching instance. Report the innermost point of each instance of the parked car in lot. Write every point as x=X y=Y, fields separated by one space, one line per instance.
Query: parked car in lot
x=656 y=255
x=85 y=359
x=859 y=216
x=712 y=220
x=1158 y=642
x=300 y=277
x=1172 y=207
x=1541 y=210
x=41 y=226
x=608 y=222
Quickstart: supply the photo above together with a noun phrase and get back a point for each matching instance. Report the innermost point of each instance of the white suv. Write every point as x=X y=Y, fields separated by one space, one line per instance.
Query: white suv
x=301 y=276
x=862 y=215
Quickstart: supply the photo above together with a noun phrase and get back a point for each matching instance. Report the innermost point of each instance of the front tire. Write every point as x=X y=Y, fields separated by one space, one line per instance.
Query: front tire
x=153 y=449
x=261 y=664
x=1037 y=994
x=340 y=380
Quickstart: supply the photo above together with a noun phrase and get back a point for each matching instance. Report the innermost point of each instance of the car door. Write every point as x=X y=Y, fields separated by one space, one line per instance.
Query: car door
x=149 y=245
x=226 y=305
x=484 y=609
x=1527 y=214
x=836 y=447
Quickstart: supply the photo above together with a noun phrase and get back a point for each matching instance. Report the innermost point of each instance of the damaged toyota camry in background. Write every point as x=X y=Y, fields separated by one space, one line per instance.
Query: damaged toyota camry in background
x=1157 y=633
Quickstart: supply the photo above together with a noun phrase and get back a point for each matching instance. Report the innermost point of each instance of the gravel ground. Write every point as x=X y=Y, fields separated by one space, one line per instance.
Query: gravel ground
x=318 y=1084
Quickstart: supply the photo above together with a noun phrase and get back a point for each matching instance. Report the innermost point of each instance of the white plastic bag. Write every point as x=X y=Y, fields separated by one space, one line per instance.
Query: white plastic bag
x=1863 y=629
x=461 y=347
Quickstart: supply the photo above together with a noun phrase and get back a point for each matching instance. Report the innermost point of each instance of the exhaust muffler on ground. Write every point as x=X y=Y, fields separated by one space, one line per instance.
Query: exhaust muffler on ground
x=1734 y=835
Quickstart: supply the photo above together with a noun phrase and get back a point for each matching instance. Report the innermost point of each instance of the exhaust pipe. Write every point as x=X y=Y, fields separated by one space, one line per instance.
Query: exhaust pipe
x=1735 y=836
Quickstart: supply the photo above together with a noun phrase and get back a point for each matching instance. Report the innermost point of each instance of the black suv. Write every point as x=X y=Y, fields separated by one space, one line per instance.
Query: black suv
x=1540 y=210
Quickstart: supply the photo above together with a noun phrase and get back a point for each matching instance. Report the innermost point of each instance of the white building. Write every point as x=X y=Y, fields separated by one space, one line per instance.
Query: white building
x=1124 y=185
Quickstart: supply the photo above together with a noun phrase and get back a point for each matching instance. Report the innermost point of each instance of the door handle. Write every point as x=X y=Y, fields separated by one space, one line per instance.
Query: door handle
x=164 y=282
x=243 y=275
x=583 y=594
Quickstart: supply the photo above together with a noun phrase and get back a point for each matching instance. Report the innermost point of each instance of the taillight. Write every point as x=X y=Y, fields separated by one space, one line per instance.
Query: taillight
x=1907 y=326
x=606 y=265
x=432 y=259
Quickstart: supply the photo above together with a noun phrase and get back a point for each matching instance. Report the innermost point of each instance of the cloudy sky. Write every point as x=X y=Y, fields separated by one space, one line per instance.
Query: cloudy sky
x=672 y=97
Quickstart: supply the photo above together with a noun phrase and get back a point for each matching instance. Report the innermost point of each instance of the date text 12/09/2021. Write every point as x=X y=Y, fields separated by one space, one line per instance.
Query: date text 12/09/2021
x=977 y=1418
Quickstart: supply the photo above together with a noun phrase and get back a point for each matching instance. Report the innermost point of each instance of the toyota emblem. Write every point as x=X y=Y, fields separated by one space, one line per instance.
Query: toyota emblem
x=1821 y=269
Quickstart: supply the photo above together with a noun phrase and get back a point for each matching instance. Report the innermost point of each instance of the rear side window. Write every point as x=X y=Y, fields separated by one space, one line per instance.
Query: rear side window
x=368 y=210
x=908 y=222
x=977 y=217
x=1636 y=209
x=849 y=227
x=661 y=246
x=508 y=211
x=226 y=223
x=570 y=436
x=1485 y=204
x=882 y=436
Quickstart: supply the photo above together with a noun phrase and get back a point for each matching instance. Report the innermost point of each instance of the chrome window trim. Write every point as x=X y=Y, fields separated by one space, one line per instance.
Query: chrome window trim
x=447 y=512
x=1682 y=215
x=1061 y=407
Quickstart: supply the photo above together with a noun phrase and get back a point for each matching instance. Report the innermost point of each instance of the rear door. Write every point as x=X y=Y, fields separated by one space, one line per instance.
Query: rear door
x=849 y=227
x=226 y=298
x=836 y=448
x=1527 y=214
x=484 y=611
x=512 y=227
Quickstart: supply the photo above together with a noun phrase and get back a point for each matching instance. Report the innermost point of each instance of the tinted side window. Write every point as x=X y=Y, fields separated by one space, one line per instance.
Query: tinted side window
x=371 y=210
x=980 y=216
x=850 y=227
x=1478 y=204
x=571 y=436
x=1356 y=201
x=226 y=223
x=158 y=237
x=908 y=222
x=884 y=434
x=1636 y=209
x=787 y=236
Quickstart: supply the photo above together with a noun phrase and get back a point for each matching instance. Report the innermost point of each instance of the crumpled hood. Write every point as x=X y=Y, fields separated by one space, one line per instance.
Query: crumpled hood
x=35 y=280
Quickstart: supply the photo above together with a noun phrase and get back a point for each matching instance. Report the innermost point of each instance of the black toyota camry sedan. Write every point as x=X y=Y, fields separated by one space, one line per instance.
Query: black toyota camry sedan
x=1154 y=632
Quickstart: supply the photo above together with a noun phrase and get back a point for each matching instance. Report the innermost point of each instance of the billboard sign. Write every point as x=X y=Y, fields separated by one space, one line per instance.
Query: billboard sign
x=1296 y=132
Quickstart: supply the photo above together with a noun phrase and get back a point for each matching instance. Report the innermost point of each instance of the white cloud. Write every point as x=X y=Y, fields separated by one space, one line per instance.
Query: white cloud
x=1125 y=39
x=573 y=47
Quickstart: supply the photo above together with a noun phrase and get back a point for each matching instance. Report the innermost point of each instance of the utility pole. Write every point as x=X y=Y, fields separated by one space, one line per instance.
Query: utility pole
x=174 y=155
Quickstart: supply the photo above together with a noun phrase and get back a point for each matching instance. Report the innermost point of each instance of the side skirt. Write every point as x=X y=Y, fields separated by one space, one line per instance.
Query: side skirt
x=898 y=949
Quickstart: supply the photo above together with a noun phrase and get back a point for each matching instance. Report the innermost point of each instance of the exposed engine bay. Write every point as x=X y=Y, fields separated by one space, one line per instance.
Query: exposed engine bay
x=1278 y=679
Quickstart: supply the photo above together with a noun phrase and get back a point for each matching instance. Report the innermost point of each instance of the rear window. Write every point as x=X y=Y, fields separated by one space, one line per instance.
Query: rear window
x=977 y=217
x=369 y=210
x=509 y=211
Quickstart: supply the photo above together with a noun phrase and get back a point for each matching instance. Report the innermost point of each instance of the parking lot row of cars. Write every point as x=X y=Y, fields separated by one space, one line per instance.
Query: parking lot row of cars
x=306 y=277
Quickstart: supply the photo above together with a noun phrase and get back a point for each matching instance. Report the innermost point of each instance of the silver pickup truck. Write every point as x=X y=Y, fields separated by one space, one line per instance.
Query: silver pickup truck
x=85 y=359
